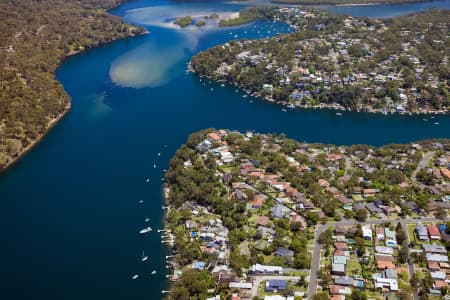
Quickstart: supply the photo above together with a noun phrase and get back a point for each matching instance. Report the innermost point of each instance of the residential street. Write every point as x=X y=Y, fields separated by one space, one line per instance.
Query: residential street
x=315 y=264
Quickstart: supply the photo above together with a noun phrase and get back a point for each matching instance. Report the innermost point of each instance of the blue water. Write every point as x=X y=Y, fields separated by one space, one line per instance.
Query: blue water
x=69 y=210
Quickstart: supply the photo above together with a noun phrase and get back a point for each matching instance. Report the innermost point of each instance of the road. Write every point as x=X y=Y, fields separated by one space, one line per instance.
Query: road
x=410 y=263
x=322 y=227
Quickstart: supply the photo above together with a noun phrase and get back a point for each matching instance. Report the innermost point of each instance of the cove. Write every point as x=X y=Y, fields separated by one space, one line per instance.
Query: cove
x=70 y=211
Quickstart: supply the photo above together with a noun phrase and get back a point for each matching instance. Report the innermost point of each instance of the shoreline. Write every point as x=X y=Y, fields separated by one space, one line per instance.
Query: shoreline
x=50 y=125
x=53 y=122
x=322 y=105
x=325 y=3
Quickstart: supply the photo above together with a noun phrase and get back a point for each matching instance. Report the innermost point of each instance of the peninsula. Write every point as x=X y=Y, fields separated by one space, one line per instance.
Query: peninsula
x=257 y=216
x=335 y=61
x=35 y=37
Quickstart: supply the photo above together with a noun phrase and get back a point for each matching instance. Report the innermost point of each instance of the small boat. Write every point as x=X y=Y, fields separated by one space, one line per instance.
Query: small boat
x=251 y=101
x=284 y=109
x=436 y=123
x=291 y=106
x=148 y=180
x=153 y=272
x=144 y=257
x=154 y=165
x=212 y=89
x=147 y=219
x=244 y=96
x=338 y=114
x=222 y=85
x=135 y=276
x=141 y=201
x=145 y=230
x=159 y=154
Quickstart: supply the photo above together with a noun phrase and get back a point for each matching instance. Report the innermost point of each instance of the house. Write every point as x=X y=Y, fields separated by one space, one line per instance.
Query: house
x=390 y=274
x=422 y=232
x=367 y=233
x=299 y=219
x=235 y=297
x=241 y=285
x=436 y=257
x=257 y=201
x=339 y=260
x=262 y=220
x=433 y=266
x=340 y=246
x=213 y=137
x=379 y=231
x=199 y=265
x=438 y=249
x=263 y=269
x=433 y=231
x=277 y=211
x=191 y=224
x=384 y=261
x=338 y=269
x=346 y=281
x=340 y=290
x=275 y=285
x=438 y=275
x=284 y=252
x=390 y=284
x=384 y=250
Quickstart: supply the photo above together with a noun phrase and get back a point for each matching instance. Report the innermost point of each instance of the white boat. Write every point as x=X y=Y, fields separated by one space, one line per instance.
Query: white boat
x=222 y=85
x=147 y=219
x=284 y=109
x=291 y=106
x=244 y=96
x=141 y=201
x=154 y=166
x=159 y=154
x=148 y=180
x=338 y=114
x=145 y=230
x=436 y=123
x=153 y=272
x=212 y=89
x=135 y=276
x=144 y=257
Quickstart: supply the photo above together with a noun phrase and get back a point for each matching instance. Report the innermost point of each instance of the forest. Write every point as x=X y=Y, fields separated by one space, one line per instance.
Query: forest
x=35 y=37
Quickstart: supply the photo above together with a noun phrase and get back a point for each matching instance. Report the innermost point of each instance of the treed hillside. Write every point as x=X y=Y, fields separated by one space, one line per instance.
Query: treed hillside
x=35 y=36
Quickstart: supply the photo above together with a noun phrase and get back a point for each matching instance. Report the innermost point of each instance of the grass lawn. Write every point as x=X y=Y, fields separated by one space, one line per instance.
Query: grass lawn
x=411 y=228
x=353 y=267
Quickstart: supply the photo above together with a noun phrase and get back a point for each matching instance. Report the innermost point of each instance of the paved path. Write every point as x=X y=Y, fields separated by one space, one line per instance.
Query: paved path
x=422 y=164
x=322 y=227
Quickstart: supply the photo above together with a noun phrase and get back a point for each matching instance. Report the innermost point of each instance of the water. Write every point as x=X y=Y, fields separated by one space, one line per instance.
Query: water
x=69 y=210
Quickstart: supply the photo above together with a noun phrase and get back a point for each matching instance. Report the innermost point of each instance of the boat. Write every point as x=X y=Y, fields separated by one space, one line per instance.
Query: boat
x=154 y=165
x=284 y=109
x=144 y=257
x=148 y=180
x=145 y=230
x=222 y=85
x=244 y=96
x=147 y=219
x=436 y=123
x=153 y=272
x=338 y=114
x=135 y=276
x=291 y=106
x=159 y=154
x=141 y=201
x=212 y=89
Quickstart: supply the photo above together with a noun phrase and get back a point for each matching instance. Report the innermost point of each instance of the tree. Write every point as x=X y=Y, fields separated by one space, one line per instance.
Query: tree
x=321 y=296
x=361 y=215
x=325 y=238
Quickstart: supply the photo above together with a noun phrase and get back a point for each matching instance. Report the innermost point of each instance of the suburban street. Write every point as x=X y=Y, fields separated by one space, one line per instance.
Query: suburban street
x=315 y=264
